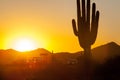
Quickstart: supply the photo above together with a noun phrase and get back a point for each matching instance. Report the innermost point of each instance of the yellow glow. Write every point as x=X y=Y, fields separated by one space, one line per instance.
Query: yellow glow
x=24 y=45
x=29 y=19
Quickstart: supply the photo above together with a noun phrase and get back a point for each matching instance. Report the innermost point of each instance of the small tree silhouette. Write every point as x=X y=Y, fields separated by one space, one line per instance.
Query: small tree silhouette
x=86 y=32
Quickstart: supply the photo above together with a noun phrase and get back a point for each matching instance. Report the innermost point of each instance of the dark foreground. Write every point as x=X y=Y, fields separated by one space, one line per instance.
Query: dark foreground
x=110 y=70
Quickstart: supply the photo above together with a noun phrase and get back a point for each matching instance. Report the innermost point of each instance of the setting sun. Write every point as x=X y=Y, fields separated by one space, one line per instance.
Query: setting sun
x=25 y=45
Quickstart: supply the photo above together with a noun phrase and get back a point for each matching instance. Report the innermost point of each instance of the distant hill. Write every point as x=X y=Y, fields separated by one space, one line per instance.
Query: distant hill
x=40 y=51
x=6 y=56
x=99 y=54
x=10 y=55
x=106 y=51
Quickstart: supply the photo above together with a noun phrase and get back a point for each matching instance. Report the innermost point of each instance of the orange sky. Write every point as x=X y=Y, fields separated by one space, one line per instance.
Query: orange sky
x=48 y=23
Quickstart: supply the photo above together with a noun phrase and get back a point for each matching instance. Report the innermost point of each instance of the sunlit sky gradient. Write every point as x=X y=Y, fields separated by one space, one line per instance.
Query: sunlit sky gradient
x=48 y=23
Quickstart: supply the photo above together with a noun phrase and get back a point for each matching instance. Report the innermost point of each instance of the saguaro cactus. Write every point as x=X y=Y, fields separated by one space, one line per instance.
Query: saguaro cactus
x=87 y=29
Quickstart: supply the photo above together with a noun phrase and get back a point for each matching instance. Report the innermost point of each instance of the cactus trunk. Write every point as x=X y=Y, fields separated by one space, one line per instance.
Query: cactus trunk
x=87 y=51
x=86 y=31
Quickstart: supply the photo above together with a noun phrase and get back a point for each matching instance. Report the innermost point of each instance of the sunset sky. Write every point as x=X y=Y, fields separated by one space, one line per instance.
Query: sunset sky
x=48 y=23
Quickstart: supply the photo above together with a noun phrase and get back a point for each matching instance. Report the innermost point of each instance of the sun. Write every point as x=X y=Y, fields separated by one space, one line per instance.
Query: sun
x=24 y=45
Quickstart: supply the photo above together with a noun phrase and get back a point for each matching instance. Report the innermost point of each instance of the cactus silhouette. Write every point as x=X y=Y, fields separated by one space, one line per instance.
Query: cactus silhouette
x=86 y=29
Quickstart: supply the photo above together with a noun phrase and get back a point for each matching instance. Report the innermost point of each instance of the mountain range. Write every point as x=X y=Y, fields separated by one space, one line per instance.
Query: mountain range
x=100 y=53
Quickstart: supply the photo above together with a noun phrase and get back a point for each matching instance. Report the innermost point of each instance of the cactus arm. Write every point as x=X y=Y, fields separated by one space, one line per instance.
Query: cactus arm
x=78 y=15
x=88 y=18
x=88 y=12
x=78 y=9
x=93 y=12
x=83 y=10
x=97 y=17
x=94 y=25
x=74 y=27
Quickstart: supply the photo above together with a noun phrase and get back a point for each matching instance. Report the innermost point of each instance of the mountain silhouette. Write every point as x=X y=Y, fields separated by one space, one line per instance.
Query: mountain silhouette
x=109 y=50
x=100 y=54
x=41 y=51
x=10 y=55
x=65 y=64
